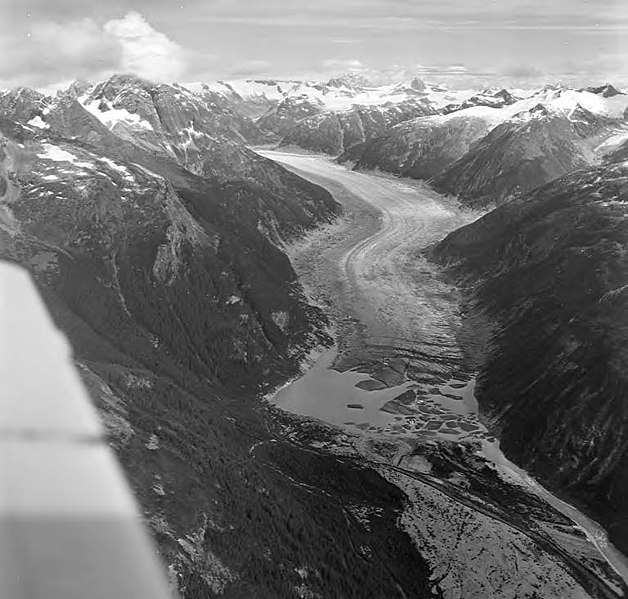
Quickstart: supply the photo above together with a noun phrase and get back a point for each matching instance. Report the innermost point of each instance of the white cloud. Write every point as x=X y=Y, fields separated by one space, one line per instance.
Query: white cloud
x=49 y=52
x=73 y=40
x=145 y=51
x=52 y=51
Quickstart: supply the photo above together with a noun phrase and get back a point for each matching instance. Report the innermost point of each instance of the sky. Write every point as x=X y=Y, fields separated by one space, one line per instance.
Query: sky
x=462 y=43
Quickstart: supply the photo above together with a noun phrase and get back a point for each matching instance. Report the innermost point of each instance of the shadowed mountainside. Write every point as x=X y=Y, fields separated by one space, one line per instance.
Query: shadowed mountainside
x=547 y=274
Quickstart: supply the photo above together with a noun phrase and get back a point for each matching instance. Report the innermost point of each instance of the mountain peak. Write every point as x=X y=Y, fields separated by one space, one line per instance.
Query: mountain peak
x=22 y=103
x=350 y=80
x=122 y=80
x=505 y=95
x=417 y=84
x=76 y=89
x=606 y=91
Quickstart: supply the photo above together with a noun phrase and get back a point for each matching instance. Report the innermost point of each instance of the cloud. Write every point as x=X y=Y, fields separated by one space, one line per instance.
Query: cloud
x=48 y=52
x=295 y=38
x=146 y=51
x=52 y=51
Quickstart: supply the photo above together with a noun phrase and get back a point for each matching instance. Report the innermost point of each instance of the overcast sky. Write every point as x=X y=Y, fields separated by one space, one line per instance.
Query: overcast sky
x=460 y=42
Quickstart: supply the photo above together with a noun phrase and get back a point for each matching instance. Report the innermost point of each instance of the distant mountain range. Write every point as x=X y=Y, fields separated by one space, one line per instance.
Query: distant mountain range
x=482 y=146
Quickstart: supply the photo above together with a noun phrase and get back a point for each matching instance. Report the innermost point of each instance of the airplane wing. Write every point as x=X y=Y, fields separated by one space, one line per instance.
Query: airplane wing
x=69 y=526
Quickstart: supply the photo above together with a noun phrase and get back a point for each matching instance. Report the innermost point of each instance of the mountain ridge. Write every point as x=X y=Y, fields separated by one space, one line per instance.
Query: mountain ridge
x=546 y=272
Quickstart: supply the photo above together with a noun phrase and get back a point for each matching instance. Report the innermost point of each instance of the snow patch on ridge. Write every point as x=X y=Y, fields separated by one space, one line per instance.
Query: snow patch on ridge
x=56 y=154
x=116 y=167
x=113 y=116
x=37 y=121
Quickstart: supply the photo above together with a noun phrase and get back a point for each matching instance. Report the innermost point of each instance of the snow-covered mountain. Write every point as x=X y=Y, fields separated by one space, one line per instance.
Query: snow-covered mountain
x=337 y=94
x=495 y=144
x=331 y=116
x=525 y=152
x=326 y=116
x=338 y=115
x=334 y=116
